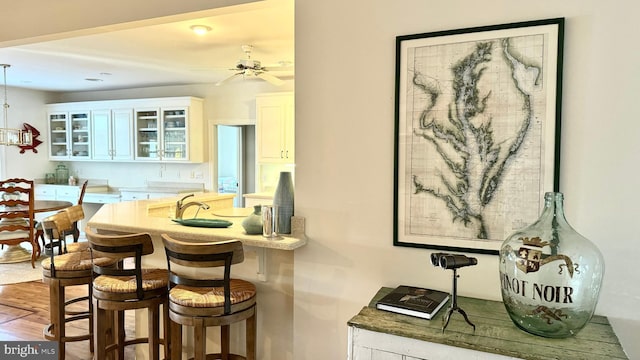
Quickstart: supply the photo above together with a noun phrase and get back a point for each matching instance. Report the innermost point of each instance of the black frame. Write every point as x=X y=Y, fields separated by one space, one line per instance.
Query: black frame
x=549 y=51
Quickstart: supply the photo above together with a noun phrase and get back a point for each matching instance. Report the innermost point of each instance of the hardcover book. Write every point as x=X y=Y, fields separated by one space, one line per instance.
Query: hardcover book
x=413 y=301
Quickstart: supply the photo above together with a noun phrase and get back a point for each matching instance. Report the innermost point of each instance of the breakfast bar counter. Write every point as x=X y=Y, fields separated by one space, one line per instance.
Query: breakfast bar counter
x=268 y=262
x=155 y=217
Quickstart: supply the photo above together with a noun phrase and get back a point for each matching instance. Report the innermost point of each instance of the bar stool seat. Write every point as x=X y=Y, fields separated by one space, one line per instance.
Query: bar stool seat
x=152 y=279
x=243 y=295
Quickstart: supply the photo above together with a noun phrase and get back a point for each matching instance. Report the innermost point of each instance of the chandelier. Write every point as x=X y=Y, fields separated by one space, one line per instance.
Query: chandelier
x=17 y=137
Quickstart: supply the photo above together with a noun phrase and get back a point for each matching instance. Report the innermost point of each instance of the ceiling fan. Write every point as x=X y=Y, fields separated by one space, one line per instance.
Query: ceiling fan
x=251 y=68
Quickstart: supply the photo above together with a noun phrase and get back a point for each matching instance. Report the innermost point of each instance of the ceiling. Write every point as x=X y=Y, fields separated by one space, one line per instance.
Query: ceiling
x=158 y=55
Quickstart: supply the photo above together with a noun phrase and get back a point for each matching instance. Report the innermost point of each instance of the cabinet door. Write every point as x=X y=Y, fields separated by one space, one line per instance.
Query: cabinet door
x=68 y=193
x=270 y=125
x=58 y=135
x=122 y=134
x=147 y=125
x=289 y=131
x=174 y=134
x=101 y=140
x=80 y=130
x=133 y=195
x=45 y=192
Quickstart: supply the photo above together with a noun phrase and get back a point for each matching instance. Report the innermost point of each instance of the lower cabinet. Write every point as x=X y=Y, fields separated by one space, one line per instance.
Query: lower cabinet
x=371 y=345
x=57 y=192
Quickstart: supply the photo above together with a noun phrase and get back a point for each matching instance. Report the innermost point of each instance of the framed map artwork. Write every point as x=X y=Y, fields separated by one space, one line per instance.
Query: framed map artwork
x=477 y=133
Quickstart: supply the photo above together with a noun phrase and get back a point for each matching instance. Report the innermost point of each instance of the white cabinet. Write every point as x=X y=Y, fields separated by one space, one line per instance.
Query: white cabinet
x=130 y=195
x=275 y=128
x=155 y=129
x=101 y=198
x=112 y=134
x=371 y=345
x=57 y=192
x=169 y=134
x=69 y=135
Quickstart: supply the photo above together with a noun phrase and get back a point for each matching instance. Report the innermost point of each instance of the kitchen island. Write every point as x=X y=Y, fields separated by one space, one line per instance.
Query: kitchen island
x=268 y=264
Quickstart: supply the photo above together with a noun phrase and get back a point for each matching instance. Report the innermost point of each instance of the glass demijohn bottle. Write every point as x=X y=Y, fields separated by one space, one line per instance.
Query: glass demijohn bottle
x=550 y=275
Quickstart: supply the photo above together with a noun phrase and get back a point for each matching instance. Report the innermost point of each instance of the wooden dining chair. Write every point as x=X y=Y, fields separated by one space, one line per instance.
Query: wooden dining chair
x=127 y=288
x=202 y=302
x=17 y=215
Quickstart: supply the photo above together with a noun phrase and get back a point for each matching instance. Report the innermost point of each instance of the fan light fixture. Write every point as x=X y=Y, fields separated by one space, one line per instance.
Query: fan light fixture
x=200 y=29
x=17 y=137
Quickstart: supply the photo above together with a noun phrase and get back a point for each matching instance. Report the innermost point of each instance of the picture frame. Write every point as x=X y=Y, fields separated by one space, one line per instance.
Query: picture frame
x=477 y=133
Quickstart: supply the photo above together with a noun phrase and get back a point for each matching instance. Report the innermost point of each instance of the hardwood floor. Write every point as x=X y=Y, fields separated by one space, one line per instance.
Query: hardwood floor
x=24 y=312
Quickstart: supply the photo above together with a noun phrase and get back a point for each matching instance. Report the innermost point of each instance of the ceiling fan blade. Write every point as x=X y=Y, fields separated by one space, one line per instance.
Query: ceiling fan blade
x=222 y=82
x=270 y=78
x=279 y=68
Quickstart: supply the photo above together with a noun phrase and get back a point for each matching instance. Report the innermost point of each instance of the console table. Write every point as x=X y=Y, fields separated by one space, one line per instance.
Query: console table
x=376 y=334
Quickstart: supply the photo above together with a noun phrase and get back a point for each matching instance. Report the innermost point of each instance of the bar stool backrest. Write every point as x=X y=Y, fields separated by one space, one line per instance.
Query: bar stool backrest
x=199 y=255
x=55 y=226
x=121 y=247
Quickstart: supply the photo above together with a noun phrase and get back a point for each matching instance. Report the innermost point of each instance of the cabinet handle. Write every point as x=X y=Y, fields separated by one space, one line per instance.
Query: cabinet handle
x=281 y=154
x=287 y=152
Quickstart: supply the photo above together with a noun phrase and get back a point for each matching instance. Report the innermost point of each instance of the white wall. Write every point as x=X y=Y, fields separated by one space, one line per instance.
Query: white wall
x=345 y=58
x=25 y=106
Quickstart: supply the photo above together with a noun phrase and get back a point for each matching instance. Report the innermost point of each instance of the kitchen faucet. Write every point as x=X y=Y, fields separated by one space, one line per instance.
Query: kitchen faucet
x=180 y=208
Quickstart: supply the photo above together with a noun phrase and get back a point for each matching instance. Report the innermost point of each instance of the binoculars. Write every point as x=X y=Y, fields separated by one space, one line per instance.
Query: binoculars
x=451 y=261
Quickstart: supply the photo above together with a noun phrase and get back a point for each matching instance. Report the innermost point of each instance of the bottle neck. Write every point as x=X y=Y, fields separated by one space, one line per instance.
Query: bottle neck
x=553 y=208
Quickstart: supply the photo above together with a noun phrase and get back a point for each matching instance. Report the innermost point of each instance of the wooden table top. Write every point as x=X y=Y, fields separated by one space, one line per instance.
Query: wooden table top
x=42 y=206
x=495 y=332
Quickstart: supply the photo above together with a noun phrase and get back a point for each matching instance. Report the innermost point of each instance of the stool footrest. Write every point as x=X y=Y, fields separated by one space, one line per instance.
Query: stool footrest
x=75 y=300
x=219 y=357
x=48 y=334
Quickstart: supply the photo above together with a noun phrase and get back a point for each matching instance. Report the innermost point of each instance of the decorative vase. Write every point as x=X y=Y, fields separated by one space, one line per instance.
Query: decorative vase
x=252 y=224
x=550 y=275
x=283 y=203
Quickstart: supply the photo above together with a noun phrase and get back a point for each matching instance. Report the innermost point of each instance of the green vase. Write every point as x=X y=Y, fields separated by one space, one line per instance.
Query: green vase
x=252 y=224
x=550 y=274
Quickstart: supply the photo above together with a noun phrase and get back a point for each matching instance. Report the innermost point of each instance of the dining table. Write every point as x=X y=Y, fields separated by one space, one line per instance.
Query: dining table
x=17 y=253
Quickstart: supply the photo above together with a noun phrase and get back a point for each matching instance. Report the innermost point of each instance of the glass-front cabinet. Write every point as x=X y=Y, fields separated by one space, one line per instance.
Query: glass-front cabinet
x=69 y=134
x=161 y=134
x=80 y=139
x=167 y=129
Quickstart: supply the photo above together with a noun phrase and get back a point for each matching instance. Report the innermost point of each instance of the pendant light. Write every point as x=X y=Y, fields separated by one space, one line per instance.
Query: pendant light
x=17 y=137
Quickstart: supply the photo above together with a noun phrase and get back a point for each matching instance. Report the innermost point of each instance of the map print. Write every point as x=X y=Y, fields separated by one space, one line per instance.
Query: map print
x=474 y=138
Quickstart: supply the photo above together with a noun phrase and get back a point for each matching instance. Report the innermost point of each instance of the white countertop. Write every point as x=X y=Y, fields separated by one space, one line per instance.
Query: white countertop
x=132 y=217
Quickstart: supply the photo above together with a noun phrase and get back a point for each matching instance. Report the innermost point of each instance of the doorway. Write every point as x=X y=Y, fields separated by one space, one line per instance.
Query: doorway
x=236 y=161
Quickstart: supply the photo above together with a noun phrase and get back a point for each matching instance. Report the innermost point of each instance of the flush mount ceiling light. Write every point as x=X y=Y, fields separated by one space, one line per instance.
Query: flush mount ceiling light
x=200 y=29
x=17 y=137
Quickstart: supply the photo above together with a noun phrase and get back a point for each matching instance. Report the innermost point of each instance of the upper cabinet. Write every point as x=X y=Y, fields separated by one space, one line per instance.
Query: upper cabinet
x=275 y=128
x=163 y=134
x=112 y=134
x=153 y=130
x=69 y=134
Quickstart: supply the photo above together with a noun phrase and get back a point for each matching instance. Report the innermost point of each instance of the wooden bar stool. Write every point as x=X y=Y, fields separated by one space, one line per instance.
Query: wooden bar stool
x=201 y=303
x=118 y=289
x=60 y=271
